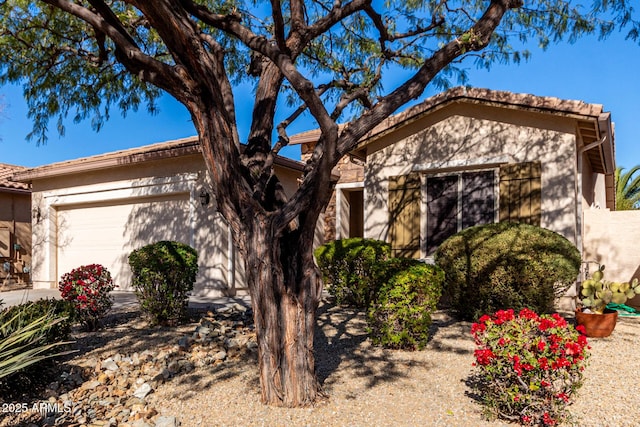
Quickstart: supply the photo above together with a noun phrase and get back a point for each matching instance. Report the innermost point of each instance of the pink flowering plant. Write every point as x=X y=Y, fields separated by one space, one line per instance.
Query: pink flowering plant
x=88 y=287
x=528 y=366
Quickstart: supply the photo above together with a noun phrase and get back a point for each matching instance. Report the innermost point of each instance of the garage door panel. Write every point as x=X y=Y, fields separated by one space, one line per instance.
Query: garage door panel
x=107 y=233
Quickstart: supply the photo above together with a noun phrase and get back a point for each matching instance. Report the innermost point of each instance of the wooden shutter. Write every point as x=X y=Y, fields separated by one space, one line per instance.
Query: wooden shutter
x=404 y=215
x=520 y=195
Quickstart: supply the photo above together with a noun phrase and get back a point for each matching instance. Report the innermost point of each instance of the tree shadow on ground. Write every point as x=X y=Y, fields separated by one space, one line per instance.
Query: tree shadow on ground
x=341 y=344
x=341 y=340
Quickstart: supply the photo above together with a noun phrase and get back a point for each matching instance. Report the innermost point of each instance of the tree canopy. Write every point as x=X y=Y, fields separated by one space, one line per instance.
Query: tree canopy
x=72 y=69
x=627 y=188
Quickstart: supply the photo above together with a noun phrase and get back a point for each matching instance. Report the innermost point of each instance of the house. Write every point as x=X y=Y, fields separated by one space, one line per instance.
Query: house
x=15 y=229
x=98 y=209
x=473 y=156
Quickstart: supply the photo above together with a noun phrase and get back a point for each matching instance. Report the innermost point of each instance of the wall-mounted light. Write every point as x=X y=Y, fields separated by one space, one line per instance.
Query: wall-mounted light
x=205 y=198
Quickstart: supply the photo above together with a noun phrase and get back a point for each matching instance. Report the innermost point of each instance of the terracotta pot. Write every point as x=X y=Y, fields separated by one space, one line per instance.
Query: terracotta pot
x=597 y=325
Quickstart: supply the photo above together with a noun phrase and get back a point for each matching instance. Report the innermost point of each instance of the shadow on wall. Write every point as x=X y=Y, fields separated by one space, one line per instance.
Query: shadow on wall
x=178 y=217
x=460 y=143
x=611 y=238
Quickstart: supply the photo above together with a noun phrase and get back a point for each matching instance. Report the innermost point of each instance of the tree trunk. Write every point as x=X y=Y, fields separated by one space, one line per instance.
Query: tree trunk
x=285 y=292
x=283 y=280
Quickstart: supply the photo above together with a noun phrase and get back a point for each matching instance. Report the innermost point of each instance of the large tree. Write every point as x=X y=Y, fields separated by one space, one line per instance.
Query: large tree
x=327 y=58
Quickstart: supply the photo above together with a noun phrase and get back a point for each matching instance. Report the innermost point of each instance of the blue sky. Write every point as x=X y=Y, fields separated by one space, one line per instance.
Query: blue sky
x=592 y=71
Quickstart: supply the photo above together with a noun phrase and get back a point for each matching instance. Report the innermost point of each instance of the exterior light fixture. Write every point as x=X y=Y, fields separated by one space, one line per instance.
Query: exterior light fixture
x=205 y=198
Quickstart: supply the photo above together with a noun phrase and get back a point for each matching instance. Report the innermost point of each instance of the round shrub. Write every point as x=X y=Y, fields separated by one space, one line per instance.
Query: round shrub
x=348 y=265
x=400 y=315
x=506 y=265
x=163 y=275
x=528 y=366
x=87 y=288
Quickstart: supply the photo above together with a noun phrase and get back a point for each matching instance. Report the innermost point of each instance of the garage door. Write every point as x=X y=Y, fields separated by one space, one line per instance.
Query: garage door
x=106 y=233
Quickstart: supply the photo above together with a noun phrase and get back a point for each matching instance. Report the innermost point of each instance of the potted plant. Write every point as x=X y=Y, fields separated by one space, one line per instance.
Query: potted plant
x=596 y=294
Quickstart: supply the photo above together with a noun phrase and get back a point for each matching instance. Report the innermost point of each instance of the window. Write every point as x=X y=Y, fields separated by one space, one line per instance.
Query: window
x=458 y=201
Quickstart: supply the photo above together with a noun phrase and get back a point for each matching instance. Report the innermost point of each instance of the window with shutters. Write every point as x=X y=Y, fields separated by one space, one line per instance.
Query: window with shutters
x=458 y=201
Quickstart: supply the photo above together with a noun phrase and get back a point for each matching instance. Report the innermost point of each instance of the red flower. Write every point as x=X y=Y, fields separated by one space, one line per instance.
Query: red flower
x=484 y=319
x=547 y=420
x=544 y=363
x=484 y=356
x=560 y=321
x=503 y=316
x=560 y=363
x=528 y=314
x=546 y=324
x=478 y=328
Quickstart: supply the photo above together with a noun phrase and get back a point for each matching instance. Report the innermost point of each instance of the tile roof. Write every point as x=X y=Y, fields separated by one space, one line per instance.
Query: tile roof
x=6 y=172
x=474 y=95
x=162 y=150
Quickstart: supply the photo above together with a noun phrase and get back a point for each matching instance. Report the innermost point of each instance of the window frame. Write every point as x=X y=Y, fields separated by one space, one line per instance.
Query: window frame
x=424 y=177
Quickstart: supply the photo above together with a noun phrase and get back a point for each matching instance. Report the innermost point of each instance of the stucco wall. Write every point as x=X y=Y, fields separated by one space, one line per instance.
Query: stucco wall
x=611 y=238
x=463 y=136
x=128 y=207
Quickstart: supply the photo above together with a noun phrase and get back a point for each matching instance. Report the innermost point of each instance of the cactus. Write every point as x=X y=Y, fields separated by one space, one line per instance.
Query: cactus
x=597 y=292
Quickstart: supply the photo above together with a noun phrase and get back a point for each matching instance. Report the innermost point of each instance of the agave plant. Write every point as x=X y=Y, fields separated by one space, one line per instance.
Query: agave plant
x=22 y=346
x=597 y=292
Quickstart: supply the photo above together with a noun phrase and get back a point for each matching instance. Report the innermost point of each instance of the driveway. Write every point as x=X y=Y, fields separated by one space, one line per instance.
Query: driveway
x=120 y=298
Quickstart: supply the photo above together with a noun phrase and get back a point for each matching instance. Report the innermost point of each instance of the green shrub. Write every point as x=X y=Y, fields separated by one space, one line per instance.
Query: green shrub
x=506 y=265
x=26 y=313
x=31 y=333
x=348 y=266
x=400 y=315
x=163 y=275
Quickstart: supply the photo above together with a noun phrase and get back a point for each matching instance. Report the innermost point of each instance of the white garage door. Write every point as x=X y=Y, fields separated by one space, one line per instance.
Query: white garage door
x=106 y=233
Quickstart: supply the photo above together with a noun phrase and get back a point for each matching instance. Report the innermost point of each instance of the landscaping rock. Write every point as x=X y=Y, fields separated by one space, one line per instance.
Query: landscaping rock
x=113 y=390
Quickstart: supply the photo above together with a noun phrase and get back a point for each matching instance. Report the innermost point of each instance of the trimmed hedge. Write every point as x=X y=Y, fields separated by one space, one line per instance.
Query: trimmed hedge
x=506 y=265
x=349 y=267
x=163 y=275
x=400 y=316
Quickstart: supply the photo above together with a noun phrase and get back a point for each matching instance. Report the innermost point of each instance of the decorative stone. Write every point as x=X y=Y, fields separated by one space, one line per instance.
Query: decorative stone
x=110 y=365
x=90 y=385
x=142 y=391
x=165 y=421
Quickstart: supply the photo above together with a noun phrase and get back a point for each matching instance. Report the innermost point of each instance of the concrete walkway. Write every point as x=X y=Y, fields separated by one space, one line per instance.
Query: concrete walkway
x=120 y=298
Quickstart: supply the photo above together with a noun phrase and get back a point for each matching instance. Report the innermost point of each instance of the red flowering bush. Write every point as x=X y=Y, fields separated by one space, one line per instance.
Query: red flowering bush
x=529 y=365
x=88 y=287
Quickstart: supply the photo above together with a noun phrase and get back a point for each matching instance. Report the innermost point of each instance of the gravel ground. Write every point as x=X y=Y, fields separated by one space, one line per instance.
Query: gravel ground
x=369 y=386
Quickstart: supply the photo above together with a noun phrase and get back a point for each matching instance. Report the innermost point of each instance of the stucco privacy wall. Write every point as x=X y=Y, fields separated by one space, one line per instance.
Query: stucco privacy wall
x=611 y=238
x=463 y=136
x=100 y=216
